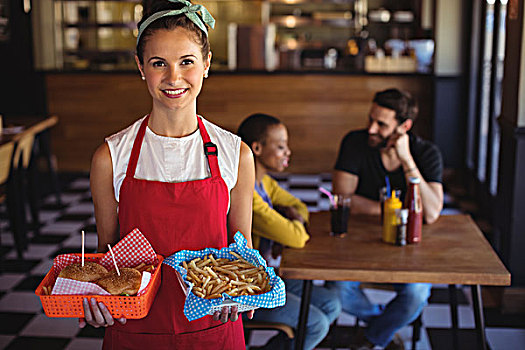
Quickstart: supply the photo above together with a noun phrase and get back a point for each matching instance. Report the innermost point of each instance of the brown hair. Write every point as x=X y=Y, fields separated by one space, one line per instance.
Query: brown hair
x=169 y=23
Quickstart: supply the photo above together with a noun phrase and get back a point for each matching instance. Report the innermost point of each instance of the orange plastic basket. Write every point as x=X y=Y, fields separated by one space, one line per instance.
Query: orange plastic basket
x=132 y=307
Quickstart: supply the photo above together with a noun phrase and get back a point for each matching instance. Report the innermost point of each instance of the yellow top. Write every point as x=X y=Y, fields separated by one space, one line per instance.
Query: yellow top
x=268 y=223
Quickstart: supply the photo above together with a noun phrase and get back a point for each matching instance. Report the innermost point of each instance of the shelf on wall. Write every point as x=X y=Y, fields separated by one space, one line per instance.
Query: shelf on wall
x=84 y=25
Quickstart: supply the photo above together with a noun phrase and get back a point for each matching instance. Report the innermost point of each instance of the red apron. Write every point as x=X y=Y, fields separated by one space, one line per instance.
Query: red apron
x=174 y=216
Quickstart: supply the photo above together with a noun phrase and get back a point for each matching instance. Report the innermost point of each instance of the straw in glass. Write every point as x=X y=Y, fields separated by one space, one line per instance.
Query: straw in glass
x=329 y=194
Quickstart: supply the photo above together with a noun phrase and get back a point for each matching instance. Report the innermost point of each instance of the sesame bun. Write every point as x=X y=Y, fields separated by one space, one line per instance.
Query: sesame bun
x=127 y=283
x=90 y=272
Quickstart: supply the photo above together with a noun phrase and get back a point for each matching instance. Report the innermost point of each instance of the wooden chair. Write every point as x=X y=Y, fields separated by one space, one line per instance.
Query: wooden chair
x=23 y=188
x=39 y=148
x=31 y=144
x=18 y=189
x=6 y=156
x=250 y=325
x=42 y=149
x=6 y=159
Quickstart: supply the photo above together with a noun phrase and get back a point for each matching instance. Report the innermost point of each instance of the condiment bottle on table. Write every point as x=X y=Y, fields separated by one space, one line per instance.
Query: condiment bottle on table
x=389 y=220
x=415 y=211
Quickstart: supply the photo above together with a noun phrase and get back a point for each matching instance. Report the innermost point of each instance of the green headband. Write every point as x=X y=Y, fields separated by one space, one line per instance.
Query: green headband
x=189 y=10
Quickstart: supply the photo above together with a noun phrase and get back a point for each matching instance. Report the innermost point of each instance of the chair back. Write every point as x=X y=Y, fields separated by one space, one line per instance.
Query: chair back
x=44 y=125
x=262 y=325
x=24 y=148
x=6 y=156
x=25 y=140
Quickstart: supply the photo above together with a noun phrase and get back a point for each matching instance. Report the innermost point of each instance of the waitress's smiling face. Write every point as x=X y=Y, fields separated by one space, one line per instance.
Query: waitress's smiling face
x=174 y=68
x=273 y=152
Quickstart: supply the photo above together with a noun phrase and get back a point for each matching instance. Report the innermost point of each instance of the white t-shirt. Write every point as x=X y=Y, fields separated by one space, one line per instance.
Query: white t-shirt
x=170 y=159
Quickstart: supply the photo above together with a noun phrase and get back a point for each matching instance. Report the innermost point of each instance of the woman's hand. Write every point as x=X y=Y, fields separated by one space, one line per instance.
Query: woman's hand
x=290 y=213
x=224 y=316
x=250 y=314
x=97 y=315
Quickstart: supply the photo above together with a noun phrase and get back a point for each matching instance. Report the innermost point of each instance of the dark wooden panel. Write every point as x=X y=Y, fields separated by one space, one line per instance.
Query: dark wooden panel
x=317 y=109
x=91 y=107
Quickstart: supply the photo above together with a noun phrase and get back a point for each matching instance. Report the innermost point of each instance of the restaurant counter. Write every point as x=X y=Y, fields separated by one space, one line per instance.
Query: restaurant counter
x=318 y=108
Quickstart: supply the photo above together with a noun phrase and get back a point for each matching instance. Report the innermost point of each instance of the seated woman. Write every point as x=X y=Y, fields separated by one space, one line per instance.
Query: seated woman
x=279 y=219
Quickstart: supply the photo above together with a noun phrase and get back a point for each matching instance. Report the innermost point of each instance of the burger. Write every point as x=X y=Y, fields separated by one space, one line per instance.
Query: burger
x=128 y=283
x=90 y=272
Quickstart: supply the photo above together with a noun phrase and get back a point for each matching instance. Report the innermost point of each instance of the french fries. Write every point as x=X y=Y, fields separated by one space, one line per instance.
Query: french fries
x=212 y=277
x=46 y=290
x=143 y=267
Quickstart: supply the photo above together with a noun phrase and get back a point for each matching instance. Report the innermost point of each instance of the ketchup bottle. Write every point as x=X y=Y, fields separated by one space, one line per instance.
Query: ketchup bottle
x=415 y=211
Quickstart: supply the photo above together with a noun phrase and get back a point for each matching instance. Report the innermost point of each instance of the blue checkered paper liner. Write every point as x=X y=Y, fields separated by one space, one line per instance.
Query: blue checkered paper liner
x=196 y=307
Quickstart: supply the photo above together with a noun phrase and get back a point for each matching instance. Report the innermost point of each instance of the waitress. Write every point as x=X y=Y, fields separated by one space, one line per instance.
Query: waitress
x=183 y=181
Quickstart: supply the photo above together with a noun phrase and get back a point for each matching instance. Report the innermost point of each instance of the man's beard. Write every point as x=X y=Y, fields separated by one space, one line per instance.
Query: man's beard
x=377 y=141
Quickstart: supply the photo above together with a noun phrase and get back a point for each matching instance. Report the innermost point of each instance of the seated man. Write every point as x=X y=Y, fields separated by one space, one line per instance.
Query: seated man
x=366 y=157
x=279 y=218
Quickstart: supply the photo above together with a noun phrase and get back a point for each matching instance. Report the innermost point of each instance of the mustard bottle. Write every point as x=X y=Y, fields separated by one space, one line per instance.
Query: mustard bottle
x=389 y=219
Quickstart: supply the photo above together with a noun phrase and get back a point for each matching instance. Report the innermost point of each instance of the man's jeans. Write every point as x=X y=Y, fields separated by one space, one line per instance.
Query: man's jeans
x=325 y=307
x=399 y=312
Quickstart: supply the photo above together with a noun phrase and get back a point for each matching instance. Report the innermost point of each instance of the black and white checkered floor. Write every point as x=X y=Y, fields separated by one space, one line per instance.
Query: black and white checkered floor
x=24 y=326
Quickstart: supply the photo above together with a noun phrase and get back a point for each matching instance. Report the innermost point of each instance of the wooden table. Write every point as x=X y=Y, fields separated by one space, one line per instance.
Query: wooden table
x=453 y=251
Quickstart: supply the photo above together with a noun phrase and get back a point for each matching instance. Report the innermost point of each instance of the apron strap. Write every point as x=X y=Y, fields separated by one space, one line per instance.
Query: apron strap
x=135 y=151
x=210 y=150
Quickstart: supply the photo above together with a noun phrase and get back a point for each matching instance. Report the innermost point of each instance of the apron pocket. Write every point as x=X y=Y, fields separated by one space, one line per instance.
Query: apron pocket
x=225 y=336
x=228 y=336
x=135 y=341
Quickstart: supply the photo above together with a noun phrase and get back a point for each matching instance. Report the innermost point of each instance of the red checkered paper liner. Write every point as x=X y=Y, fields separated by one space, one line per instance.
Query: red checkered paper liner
x=72 y=287
x=130 y=251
